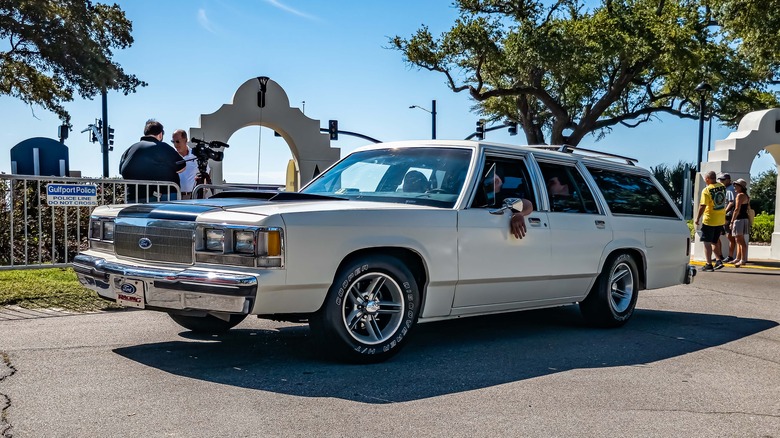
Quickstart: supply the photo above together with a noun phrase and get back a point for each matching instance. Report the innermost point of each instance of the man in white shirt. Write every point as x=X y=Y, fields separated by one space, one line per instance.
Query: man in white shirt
x=187 y=177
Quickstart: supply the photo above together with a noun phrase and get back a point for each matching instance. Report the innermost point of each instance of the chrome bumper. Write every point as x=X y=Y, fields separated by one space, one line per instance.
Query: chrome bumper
x=170 y=289
x=690 y=272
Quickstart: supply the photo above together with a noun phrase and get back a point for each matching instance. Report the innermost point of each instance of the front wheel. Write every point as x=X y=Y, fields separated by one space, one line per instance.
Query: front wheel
x=369 y=310
x=612 y=299
x=208 y=324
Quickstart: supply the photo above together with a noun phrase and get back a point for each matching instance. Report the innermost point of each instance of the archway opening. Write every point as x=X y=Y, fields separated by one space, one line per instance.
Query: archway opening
x=256 y=156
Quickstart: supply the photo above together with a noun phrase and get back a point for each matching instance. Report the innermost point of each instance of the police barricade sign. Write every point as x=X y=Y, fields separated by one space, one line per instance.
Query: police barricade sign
x=71 y=195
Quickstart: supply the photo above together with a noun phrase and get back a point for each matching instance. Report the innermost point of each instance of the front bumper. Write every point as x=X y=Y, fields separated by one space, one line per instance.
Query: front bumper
x=169 y=288
x=690 y=272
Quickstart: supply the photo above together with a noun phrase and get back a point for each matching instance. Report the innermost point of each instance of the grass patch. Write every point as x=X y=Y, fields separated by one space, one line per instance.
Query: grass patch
x=47 y=288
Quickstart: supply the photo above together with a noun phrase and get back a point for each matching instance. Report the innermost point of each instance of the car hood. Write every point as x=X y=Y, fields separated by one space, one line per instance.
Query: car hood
x=213 y=209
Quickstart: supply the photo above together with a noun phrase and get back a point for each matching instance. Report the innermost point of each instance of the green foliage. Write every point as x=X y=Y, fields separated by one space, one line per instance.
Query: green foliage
x=673 y=180
x=55 y=48
x=589 y=66
x=763 y=226
x=762 y=192
x=45 y=288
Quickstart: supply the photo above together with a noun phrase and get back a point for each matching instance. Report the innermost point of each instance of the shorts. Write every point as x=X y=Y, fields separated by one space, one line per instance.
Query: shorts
x=711 y=233
x=741 y=227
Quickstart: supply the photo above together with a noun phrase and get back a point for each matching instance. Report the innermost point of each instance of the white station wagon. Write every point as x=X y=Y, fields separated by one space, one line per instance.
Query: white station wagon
x=397 y=234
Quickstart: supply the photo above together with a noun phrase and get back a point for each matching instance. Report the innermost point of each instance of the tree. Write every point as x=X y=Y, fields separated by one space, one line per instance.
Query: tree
x=672 y=179
x=55 y=48
x=762 y=192
x=577 y=65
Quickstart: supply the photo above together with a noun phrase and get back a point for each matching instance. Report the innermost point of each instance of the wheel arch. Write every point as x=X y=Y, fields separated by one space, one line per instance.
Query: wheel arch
x=412 y=259
x=639 y=258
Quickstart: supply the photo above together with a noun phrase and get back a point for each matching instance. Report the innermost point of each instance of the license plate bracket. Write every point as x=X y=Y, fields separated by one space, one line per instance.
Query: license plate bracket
x=129 y=292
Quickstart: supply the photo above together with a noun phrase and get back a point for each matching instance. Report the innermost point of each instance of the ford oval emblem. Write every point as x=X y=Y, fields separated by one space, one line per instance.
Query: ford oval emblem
x=128 y=288
x=144 y=243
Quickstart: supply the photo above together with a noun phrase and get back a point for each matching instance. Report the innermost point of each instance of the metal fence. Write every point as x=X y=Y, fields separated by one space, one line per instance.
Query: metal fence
x=35 y=234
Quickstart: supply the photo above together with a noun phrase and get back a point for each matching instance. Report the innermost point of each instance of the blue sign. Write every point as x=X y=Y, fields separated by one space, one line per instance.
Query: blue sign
x=71 y=195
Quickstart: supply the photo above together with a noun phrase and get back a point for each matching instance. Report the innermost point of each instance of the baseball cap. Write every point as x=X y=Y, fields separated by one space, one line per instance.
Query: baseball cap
x=724 y=176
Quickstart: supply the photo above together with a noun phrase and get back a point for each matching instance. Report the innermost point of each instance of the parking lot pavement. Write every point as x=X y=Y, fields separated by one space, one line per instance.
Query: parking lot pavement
x=699 y=360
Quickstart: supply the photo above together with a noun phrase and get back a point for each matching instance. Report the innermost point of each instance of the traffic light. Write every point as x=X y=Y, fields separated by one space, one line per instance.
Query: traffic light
x=480 y=129
x=92 y=136
x=333 y=129
x=62 y=131
x=110 y=136
x=512 y=128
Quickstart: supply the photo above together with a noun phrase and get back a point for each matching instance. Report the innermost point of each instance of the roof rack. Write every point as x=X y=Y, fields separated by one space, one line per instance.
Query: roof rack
x=589 y=152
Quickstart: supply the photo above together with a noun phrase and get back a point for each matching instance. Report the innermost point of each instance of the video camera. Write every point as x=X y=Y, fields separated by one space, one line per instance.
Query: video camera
x=204 y=151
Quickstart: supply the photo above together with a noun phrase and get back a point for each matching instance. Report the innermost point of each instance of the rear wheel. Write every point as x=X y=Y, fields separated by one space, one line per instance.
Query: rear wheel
x=612 y=300
x=208 y=324
x=370 y=309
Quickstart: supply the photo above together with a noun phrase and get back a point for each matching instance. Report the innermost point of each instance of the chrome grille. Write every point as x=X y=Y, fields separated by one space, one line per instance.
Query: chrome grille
x=171 y=241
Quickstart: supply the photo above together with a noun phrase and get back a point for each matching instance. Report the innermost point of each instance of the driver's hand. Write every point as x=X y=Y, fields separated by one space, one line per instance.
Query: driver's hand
x=517 y=225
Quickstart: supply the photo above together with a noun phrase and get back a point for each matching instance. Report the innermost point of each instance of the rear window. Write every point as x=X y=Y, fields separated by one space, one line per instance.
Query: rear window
x=632 y=194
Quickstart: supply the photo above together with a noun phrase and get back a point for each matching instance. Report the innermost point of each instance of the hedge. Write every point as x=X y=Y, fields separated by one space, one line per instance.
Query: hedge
x=763 y=226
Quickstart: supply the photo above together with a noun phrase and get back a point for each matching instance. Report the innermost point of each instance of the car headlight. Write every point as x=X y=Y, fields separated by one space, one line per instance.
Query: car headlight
x=108 y=230
x=215 y=239
x=240 y=245
x=244 y=242
x=101 y=233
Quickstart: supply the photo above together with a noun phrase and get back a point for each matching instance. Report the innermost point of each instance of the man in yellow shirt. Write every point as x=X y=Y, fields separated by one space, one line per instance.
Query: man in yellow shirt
x=713 y=208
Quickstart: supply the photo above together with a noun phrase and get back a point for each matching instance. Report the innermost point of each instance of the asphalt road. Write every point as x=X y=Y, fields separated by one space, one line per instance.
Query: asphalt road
x=697 y=361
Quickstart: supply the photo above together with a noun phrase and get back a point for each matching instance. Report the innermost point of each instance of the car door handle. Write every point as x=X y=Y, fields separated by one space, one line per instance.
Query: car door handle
x=535 y=221
x=600 y=224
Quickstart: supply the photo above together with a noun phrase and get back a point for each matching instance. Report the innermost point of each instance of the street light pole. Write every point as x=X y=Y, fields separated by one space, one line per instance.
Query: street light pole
x=433 y=119
x=432 y=112
x=702 y=89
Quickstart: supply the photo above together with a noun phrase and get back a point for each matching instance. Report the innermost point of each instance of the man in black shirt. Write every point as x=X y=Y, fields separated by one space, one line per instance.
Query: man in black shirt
x=151 y=159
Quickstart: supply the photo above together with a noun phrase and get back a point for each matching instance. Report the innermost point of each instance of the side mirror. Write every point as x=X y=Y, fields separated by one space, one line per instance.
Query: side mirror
x=509 y=203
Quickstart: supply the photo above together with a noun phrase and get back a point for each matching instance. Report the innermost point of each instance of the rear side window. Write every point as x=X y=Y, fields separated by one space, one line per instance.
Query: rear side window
x=632 y=194
x=567 y=190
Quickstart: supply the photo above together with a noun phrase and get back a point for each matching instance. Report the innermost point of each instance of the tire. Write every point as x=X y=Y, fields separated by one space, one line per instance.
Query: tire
x=369 y=311
x=208 y=324
x=612 y=300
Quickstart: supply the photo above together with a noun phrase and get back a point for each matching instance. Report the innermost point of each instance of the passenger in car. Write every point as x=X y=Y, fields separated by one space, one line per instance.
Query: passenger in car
x=556 y=188
x=415 y=182
x=517 y=221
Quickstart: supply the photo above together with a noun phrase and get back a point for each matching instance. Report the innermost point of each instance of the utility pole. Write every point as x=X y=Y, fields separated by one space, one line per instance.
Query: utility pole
x=433 y=119
x=703 y=88
x=432 y=112
x=104 y=132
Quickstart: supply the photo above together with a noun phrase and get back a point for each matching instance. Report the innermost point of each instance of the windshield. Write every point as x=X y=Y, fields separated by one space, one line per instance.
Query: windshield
x=425 y=176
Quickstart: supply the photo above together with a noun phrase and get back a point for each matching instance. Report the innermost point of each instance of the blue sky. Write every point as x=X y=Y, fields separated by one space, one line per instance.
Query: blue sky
x=331 y=55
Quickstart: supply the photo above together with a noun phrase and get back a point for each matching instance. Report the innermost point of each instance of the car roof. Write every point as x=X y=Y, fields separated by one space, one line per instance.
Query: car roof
x=587 y=156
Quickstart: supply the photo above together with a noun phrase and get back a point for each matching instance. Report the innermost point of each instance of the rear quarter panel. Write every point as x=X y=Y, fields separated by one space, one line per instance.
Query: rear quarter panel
x=663 y=241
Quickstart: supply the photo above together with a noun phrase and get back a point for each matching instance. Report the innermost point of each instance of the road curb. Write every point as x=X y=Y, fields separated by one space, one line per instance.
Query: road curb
x=750 y=265
x=14 y=313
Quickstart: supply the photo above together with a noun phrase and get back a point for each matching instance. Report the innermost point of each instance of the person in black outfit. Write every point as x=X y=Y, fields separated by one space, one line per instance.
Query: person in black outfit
x=151 y=159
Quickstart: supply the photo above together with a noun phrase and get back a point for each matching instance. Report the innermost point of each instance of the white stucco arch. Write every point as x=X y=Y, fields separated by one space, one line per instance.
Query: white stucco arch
x=759 y=130
x=262 y=102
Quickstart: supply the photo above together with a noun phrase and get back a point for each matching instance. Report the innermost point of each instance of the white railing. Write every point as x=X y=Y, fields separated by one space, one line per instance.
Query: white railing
x=34 y=234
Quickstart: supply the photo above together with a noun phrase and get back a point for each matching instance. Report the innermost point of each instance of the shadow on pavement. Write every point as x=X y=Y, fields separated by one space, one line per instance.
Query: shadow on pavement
x=444 y=357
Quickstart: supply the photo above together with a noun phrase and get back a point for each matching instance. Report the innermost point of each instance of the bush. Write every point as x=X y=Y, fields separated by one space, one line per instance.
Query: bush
x=763 y=226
